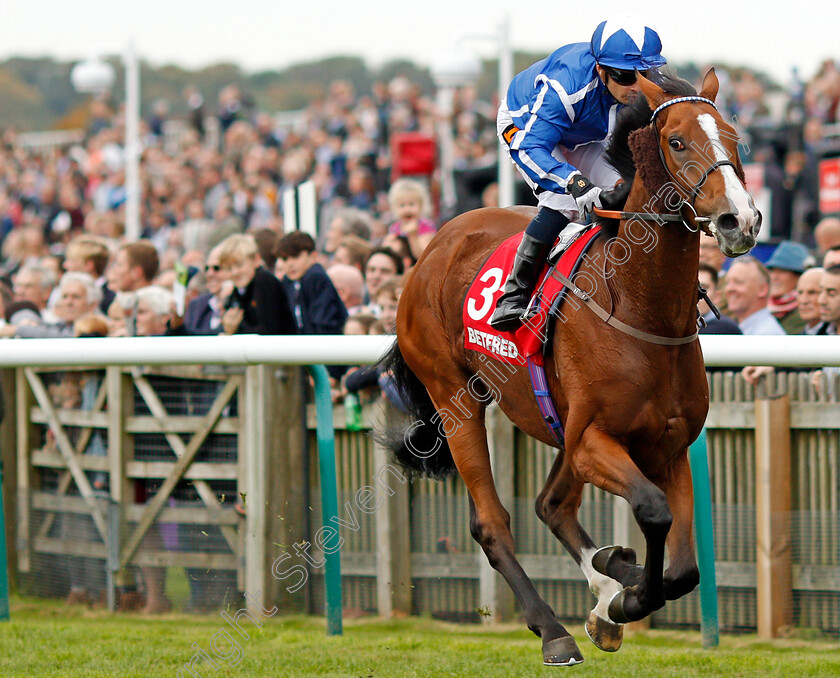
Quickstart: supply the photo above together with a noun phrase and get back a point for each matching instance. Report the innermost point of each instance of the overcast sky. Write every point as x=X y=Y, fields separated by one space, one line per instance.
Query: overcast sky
x=272 y=34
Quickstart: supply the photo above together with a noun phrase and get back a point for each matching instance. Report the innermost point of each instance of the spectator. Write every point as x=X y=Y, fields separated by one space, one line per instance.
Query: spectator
x=788 y=262
x=120 y=316
x=91 y=255
x=135 y=266
x=258 y=303
x=79 y=296
x=829 y=300
x=711 y=255
x=747 y=293
x=347 y=221
x=386 y=300
x=724 y=325
x=410 y=205
x=316 y=305
x=827 y=234
x=353 y=251
x=831 y=257
x=204 y=312
x=266 y=243
x=34 y=284
x=807 y=294
x=22 y=313
x=350 y=285
x=383 y=263
x=154 y=305
x=360 y=324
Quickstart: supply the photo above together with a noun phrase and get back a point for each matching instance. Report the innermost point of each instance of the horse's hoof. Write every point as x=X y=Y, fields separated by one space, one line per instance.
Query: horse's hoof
x=561 y=652
x=604 y=558
x=603 y=633
x=616 y=607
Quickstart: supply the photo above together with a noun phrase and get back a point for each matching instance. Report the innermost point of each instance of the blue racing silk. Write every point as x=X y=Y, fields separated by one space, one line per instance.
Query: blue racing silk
x=558 y=100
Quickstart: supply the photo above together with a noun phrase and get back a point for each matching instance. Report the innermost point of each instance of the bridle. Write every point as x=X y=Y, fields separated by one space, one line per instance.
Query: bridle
x=678 y=216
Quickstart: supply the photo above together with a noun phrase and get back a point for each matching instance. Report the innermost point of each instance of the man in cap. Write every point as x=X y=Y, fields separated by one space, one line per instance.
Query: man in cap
x=788 y=262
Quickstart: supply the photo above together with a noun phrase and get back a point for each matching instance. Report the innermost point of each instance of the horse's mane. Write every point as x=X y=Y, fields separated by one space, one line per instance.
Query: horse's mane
x=631 y=118
x=636 y=116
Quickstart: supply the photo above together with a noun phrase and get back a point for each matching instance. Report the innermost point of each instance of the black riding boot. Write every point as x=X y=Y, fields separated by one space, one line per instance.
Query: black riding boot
x=530 y=257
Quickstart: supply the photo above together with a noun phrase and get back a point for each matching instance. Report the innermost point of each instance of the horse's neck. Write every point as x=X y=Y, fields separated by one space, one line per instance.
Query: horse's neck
x=658 y=280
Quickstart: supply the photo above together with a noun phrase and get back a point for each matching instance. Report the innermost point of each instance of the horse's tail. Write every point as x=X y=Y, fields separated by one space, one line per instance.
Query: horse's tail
x=417 y=443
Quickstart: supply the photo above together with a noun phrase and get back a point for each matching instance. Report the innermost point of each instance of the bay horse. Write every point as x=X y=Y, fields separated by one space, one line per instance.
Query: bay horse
x=630 y=405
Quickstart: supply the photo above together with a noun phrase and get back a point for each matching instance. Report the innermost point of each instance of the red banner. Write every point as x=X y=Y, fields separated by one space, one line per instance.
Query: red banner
x=830 y=186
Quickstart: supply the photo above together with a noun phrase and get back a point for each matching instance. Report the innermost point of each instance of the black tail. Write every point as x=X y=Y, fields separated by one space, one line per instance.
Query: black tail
x=417 y=442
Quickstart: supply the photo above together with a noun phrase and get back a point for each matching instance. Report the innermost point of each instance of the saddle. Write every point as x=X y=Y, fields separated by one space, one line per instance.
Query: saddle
x=529 y=340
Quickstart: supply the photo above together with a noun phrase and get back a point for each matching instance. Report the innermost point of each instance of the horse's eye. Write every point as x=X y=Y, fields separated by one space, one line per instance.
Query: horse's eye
x=677 y=144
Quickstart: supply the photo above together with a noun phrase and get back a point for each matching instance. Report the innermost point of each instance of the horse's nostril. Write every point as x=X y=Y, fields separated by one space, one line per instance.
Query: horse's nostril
x=757 y=226
x=727 y=222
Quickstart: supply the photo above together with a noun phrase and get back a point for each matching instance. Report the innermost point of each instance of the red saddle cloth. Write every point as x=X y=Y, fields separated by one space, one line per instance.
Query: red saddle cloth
x=480 y=302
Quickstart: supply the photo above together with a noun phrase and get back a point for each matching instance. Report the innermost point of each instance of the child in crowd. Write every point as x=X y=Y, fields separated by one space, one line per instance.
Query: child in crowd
x=360 y=324
x=410 y=205
x=258 y=304
x=386 y=300
x=314 y=300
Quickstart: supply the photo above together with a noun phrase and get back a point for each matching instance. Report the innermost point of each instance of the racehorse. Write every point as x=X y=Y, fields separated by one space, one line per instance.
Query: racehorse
x=632 y=395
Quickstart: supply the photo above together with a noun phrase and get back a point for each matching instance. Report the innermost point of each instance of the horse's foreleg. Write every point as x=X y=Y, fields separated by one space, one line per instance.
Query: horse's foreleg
x=490 y=527
x=604 y=462
x=682 y=575
x=557 y=506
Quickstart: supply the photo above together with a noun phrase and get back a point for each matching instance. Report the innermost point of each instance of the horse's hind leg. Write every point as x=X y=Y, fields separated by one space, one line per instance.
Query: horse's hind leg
x=557 y=506
x=490 y=527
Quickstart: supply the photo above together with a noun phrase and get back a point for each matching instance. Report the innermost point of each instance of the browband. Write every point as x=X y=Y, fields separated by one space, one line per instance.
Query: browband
x=680 y=100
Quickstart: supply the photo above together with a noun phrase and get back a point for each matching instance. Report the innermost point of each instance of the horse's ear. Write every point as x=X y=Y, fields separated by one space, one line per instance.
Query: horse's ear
x=654 y=94
x=710 y=85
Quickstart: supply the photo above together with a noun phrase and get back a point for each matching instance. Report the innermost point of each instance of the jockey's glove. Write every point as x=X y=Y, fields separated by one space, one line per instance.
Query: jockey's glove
x=586 y=194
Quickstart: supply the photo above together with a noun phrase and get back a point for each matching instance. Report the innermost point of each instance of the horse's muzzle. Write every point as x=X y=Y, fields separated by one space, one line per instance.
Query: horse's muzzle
x=737 y=231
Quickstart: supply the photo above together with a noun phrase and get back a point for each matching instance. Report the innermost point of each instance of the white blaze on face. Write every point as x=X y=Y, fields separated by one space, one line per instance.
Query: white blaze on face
x=735 y=191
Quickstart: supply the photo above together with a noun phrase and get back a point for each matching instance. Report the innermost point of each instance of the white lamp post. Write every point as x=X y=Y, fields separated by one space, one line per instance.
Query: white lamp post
x=132 y=145
x=450 y=71
x=505 y=54
x=97 y=77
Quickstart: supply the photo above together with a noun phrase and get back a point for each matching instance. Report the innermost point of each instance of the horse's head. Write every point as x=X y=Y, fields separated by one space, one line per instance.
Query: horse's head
x=700 y=153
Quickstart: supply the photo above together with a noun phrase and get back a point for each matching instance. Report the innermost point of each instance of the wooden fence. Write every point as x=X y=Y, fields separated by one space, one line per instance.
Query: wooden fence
x=204 y=441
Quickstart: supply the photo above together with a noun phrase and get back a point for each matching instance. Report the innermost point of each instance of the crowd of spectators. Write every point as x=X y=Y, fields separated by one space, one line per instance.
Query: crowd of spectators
x=215 y=258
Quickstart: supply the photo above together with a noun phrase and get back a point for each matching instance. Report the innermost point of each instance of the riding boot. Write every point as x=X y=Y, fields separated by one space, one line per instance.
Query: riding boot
x=512 y=305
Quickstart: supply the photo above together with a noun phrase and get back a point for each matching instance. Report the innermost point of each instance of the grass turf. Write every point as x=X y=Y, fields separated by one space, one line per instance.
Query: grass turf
x=49 y=639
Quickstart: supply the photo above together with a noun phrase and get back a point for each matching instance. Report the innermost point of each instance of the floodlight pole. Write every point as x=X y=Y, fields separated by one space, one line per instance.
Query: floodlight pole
x=132 y=144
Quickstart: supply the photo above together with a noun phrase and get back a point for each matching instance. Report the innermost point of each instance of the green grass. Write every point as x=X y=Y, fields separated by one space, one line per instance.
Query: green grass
x=49 y=639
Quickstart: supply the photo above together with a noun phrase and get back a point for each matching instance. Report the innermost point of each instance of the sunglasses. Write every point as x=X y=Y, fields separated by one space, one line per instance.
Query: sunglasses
x=623 y=78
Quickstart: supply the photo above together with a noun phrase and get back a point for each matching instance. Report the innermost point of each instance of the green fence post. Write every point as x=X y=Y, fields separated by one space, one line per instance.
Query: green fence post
x=699 y=460
x=329 y=494
x=4 y=573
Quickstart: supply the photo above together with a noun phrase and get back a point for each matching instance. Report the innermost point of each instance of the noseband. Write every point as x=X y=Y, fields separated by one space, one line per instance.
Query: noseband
x=678 y=217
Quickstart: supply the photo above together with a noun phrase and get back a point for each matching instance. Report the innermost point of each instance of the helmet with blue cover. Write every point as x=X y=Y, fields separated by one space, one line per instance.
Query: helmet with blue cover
x=626 y=43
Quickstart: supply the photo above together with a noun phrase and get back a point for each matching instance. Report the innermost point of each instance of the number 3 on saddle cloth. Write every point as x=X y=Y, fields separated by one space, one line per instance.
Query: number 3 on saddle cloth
x=526 y=345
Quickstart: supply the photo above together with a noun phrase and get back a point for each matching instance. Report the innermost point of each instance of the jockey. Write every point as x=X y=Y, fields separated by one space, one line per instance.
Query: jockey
x=555 y=123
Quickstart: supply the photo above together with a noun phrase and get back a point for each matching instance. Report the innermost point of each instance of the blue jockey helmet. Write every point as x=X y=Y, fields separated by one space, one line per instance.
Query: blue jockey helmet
x=625 y=42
